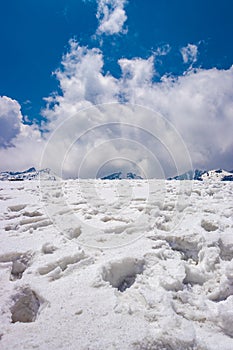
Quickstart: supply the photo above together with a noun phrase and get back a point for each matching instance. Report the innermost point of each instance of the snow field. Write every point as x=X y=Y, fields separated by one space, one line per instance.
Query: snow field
x=116 y=265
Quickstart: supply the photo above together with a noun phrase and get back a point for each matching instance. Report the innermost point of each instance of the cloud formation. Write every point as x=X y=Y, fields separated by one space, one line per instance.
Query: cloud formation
x=189 y=54
x=98 y=123
x=199 y=103
x=10 y=121
x=111 y=16
x=20 y=144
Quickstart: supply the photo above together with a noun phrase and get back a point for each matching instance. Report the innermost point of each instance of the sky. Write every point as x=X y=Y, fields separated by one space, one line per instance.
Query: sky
x=165 y=66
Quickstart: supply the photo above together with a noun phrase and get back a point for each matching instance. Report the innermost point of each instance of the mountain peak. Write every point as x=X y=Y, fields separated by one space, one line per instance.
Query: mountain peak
x=120 y=176
x=203 y=175
x=29 y=174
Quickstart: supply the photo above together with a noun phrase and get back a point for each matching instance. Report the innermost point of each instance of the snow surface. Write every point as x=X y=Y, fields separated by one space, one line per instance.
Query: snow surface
x=122 y=264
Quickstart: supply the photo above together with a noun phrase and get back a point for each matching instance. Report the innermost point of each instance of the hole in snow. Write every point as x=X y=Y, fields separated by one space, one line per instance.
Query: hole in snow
x=208 y=225
x=20 y=262
x=32 y=214
x=17 y=207
x=26 y=306
x=127 y=282
x=122 y=274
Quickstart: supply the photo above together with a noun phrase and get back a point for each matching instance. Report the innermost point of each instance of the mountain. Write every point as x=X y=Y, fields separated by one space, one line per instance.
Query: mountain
x=218 y=175
x=120 y=176
x=203 y=175
x=114 y=176
x=133 y=176
x=190 y=175
x=29 y=174
x=47 y=174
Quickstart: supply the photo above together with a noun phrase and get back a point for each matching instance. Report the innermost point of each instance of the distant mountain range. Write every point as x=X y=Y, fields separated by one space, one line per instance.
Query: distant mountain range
x=202 y=175
x=47 y=174
x=120 y=176
x=198 y=175
x=29 y=174
x=33 y=174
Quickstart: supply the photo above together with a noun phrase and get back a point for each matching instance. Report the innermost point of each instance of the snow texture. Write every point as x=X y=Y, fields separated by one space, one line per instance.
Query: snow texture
x=95 y=264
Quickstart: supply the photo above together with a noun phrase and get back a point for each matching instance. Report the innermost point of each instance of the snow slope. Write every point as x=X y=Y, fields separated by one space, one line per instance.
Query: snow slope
x=97 y=264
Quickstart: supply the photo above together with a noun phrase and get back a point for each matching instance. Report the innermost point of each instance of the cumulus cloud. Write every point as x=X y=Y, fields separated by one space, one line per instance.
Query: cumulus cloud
x=137 y=71
x=98 y=123
x=111 y=16
x=198 y=104
x=10 y=120
x=137 y=75
x=103 y=137
x=81 y=76
x=19 y=143
x=189 y=54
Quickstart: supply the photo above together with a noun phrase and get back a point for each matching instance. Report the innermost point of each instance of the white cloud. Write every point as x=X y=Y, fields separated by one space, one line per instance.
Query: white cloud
x=137 y=76
x=10 y=120
x=111 y=16
x=189 y=53
x=138 y=72
x=198 y=104
x=82 y=76
x=83 y=136
x=19 y=143
x=162 y=50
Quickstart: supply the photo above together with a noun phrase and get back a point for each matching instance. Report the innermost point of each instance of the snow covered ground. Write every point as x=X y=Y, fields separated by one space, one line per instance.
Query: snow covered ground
x=116 y=265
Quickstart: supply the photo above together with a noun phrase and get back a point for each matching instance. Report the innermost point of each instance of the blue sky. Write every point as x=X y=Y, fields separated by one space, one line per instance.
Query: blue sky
x=35 y=34
x=186 y=40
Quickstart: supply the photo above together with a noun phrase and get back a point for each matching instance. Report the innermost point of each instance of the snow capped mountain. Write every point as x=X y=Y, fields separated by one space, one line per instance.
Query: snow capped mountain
x=203 y=175
x=29 y=174
x=120 y=176
x=47 y=174
x=189 y=175
x=133 y=176
x=114 y=176
x=218 y=175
